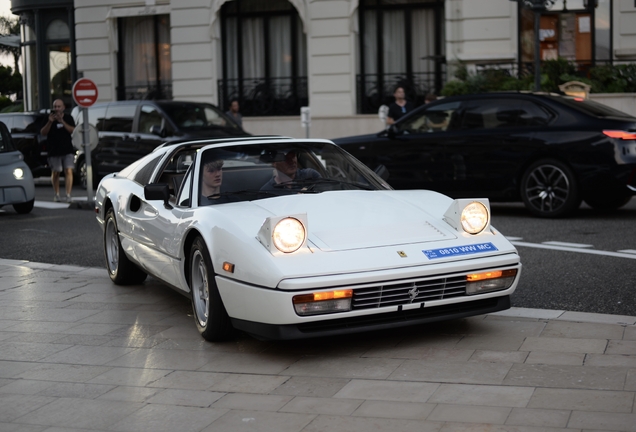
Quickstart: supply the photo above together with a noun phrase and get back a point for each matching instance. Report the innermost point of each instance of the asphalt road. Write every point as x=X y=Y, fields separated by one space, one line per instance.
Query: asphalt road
x=588 y=274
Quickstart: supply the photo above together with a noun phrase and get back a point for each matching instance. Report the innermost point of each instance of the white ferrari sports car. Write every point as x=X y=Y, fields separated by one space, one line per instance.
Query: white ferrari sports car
x=287 y=238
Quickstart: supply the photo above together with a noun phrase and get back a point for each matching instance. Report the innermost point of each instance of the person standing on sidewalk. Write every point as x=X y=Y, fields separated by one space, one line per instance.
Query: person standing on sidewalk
x=398 y=108
x=234 y=113
x=58 y=131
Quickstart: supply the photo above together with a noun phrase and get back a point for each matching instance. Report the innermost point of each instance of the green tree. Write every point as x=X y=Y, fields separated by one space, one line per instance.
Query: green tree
x=10 y=26
x=10 y=82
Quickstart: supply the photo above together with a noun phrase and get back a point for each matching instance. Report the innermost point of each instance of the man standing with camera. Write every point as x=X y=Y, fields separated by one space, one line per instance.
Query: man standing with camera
x=60 y=148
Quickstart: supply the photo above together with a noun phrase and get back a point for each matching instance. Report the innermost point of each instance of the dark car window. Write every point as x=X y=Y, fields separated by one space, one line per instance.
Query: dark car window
x=149 y=117
x=119 y=118
x=193 y=116
x=502 y=113
x=592 y=108
x=6 y=145
x=143 y=175
x=437 y=118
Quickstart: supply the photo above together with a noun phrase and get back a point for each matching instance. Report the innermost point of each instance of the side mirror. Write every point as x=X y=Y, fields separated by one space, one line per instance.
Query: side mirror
x=158 y=192
x=382 y=172
x=156 y=130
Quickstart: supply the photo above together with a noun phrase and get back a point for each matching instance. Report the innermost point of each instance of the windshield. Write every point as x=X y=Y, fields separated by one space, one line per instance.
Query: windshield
x=257 y=171
x=592 y=108
x=195 y=116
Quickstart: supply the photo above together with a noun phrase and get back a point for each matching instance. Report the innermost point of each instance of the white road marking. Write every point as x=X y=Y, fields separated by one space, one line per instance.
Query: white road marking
x=619 y=254
x=50 y=205
x=629 y=251
x=573 y=245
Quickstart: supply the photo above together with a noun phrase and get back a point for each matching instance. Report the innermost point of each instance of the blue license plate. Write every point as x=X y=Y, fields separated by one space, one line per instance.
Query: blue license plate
x=459 y=250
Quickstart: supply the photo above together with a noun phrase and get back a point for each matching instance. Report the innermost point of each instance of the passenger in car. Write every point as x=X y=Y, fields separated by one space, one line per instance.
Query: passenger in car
x=211 y=179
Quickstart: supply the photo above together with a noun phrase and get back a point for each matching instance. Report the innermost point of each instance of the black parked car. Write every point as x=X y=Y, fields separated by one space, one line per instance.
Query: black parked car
x=129 y=130
x=25 y=131
x=549 y=151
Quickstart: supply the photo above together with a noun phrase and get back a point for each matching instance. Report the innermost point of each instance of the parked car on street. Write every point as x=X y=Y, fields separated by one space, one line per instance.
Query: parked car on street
x=286 y=238
x=131 y=129
x=549 y=151
x=16 y=182
x=25 y=131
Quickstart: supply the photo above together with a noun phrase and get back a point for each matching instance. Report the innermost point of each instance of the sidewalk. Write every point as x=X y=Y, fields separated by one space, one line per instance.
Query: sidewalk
x=78 y=353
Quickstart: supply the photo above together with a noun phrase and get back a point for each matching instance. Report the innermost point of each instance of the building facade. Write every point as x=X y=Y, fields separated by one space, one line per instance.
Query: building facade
x=342 y=58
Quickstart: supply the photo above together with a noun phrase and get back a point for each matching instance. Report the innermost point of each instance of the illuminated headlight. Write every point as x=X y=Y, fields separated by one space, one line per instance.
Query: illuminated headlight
x=289 y=235
x=18 y=173
x=496 y=280
x=474 y=217
x=470 y=216
x=323 y=302
x=284 y=234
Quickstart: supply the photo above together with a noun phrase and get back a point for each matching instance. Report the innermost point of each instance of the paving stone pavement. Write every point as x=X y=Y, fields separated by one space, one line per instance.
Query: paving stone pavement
x=78 y=353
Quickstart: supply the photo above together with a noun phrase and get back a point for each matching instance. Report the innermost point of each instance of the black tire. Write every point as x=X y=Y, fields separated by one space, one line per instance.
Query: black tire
x=210 y=315
x=121 y=270
x=549 y=189
x=608 y=203
x=24 y=208
x=82 y=175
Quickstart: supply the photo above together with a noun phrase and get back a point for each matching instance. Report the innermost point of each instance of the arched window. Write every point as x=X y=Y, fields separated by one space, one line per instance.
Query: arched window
x=264 y=57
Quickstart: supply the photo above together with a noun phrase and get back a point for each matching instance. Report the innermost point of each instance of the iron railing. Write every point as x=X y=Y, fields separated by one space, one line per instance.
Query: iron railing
x=374 y=90
x=277 y=96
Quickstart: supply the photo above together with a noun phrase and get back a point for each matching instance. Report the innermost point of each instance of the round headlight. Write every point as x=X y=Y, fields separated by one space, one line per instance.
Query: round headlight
x=288 y=235
x=474 y=217
x=18 y=173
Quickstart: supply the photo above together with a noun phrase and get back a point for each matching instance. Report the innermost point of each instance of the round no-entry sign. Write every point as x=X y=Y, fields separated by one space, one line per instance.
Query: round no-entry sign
x=85 y=92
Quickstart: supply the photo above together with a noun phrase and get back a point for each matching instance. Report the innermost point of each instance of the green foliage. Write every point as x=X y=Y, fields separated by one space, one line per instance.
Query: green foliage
x=603 y=79
x=10 y=83
x=614 y=79
x=4 y=102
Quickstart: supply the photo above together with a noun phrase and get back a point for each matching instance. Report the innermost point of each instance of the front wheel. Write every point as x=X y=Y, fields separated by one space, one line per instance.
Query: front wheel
x=24 y=208
x=549 y=189
x=210 y=315
x=121 y=270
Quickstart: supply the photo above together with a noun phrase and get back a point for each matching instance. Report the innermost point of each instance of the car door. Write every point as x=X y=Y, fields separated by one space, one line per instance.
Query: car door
x=497 y=140
x=414 y=150
x=156 y=228
x=115 y=151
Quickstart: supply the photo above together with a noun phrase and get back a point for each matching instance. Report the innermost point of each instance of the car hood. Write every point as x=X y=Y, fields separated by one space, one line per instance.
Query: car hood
x=356 y=139
x=353 y=220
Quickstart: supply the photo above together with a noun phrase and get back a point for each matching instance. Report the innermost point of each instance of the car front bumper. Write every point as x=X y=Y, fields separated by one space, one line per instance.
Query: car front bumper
x=269 y=313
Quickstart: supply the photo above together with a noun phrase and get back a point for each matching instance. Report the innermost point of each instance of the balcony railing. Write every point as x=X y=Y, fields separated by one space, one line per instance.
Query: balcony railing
x=148 y=92
x=375 y=90
x=278 y=96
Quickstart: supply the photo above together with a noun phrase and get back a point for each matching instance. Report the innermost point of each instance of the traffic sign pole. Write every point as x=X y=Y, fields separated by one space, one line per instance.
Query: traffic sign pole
x=87 y=156
x=85 y=95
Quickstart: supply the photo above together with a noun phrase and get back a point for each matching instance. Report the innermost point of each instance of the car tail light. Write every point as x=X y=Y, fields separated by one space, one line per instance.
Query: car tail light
x=624 y=135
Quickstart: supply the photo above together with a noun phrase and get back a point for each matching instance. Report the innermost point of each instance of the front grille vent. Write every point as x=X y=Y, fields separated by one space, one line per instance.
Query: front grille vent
x=410 y=292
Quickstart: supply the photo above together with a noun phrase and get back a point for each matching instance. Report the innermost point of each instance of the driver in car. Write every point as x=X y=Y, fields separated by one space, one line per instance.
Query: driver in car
x=286 y=173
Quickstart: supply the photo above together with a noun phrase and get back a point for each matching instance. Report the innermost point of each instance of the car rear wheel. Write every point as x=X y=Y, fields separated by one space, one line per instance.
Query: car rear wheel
x=607 y=203
x=549 y=189
x=210 y=315
x=24 y=208
x=121 y=270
